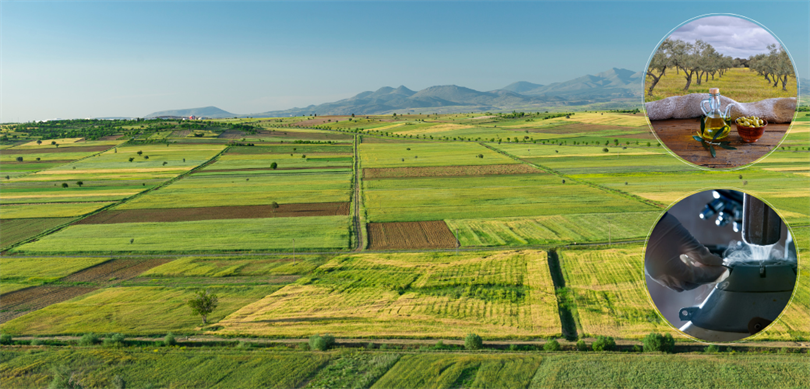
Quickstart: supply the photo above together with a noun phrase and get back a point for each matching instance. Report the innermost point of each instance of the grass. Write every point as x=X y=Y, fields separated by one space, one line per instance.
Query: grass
x=416 y=199
x=33 y=270
x=293 y=148
x=142 y=310
x=16 y=230
x=740 y=84
x=59 y=210
x=376 y=155
x=610 y=293
x=579 y=228
x=454 y=371
x=248 y=189
x=623 y=370
x=164 y=368
x=499 y=295
x=353 y=370
x=312 y=233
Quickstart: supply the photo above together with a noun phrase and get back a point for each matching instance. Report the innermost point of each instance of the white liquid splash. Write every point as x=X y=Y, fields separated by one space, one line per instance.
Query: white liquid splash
x=739 y=251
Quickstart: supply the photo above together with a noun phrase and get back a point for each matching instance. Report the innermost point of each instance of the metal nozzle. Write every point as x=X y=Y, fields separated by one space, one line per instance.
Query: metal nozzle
x=761 y=225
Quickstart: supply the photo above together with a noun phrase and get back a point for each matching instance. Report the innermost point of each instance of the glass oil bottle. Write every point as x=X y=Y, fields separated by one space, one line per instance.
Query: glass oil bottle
x=714 y=126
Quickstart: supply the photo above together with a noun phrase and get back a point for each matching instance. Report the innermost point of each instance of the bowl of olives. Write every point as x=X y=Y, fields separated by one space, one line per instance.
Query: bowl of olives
x=750 y=128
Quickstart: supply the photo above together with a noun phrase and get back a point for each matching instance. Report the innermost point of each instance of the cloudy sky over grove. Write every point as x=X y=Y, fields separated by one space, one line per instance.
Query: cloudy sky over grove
x=732 y=36
x=65 y=59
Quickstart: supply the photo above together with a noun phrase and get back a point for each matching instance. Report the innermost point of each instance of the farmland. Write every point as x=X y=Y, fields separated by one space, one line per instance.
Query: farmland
x=199 y=214
x=741 y=84
x=403 y=295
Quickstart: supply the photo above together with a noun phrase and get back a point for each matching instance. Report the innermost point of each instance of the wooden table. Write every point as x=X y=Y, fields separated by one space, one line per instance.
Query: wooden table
x=676 y=134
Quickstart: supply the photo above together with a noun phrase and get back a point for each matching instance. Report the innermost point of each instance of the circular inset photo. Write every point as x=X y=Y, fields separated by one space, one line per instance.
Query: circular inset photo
x=720 y=265
x=720 y=92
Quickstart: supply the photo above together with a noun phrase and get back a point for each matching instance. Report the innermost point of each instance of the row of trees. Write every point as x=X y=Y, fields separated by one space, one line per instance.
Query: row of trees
x=774 y=66
x=700 y=60
x=697 y=61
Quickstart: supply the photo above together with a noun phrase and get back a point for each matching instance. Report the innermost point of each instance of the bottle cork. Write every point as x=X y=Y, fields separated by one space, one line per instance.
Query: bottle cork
x=714 y=91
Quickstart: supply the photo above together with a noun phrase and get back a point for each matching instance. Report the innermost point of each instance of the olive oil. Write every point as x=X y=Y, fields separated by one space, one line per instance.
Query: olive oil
x=713 y=125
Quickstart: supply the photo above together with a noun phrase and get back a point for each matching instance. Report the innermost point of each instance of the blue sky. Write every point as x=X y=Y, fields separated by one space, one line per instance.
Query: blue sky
x=88 y=59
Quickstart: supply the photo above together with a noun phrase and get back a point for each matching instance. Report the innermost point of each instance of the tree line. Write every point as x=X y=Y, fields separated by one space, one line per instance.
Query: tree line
x=698 y=61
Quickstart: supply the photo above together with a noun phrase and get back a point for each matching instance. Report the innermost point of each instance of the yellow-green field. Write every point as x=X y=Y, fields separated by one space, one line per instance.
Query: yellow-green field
x=740 y=84
x=499 y=295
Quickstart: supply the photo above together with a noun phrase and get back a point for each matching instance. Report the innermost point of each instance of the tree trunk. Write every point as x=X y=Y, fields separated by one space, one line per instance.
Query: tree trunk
x=784 y=82
x=655 y=81
x=204 y=321
x=699 y=78
x=688 y=76
x=767 y=78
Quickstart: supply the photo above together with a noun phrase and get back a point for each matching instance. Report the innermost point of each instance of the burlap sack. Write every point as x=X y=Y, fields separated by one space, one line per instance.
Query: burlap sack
x=778 y=110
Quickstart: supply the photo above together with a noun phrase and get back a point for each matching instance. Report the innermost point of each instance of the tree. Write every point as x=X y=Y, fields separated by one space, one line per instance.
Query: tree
x=552 y=345
x=140 y=152
x=203 y=303
x=659 y=63
x=131 y=159
x=473 y=342
x=604 y=343
x=657 y=342
x=19 y=159
x=273 y=166
x=79 y=183
x=39 y=141
x=274 y=205
x=64 y=185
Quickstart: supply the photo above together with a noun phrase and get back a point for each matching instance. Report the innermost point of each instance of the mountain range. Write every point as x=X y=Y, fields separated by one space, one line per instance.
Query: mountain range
x=615 y=88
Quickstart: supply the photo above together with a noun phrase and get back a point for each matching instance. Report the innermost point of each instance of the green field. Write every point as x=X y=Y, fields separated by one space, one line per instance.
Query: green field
x=49 y=210
x=33 y=270
x=16 y=230
x=377 y=155
x=500 y=295
x=232 y=267
x=527 y=195
x=571 y=228
x=223 y=367
x=200 y=190
x=310 y=233
x=283 y=161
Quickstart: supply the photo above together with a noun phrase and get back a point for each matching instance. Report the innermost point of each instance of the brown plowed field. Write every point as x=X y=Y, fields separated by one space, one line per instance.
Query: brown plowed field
x=442 y=171
x=20 y=302
x=410 y=235
x=49 y=150
x=214 y=213
x=374 y=139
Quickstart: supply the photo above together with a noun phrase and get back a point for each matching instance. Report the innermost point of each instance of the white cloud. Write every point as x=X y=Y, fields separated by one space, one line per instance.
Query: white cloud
x=732 y=36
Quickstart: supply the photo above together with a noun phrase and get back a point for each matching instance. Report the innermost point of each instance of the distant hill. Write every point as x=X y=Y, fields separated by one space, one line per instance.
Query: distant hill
x=209 y=112
x=521 y=86
x=615 y=86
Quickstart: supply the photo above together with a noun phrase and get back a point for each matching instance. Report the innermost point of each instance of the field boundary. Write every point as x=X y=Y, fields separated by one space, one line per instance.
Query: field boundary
x=567 y=321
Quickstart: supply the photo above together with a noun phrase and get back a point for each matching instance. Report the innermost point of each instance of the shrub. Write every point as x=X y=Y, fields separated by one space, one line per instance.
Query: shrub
x=657 y=342
x=712 y=348
x=169 y=340
x=552 y=345
x=303 y=346
x=5 y=339
x=158 y=343
x=36 y=342
x=321 y=342
x=88 y=339
x=473 y=342
x=604 y=343
x=114 y=340
x=582 y=346
x=118 y=382
x=244 y=345
x=513 y=347
x=439 y=345
x=370 y=346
